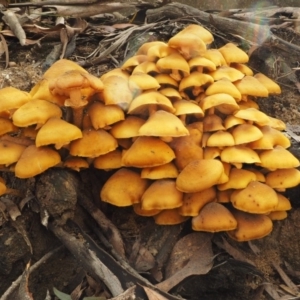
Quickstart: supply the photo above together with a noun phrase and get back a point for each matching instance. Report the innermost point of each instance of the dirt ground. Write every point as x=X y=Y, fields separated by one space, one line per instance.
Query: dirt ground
x=240 y=271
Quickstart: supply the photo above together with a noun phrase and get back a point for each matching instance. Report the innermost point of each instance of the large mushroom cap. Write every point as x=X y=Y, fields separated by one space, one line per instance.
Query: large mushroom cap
x=124 y=188
x=148 y=152
x=12 y=98
x=93 y=143
x=250 y=226
x=35 y=160
x=199 y=175
x=57 y=131
x=35 y=112
x=163 y=124
x=162 y=194
x=256 y=198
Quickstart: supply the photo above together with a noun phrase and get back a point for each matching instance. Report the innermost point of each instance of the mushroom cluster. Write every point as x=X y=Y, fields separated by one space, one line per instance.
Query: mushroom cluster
x=179 y=124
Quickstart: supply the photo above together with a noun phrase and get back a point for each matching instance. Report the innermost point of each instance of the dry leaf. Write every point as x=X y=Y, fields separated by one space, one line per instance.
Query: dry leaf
x=13 y=22
x=12 y=208
x=192 y=255
x=153 y=295
x=23 y=292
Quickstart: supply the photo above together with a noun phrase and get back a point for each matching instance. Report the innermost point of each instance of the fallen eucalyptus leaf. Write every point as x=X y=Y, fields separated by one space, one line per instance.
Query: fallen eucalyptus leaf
x=153 y=295
x=192 y=255
x=60 y=295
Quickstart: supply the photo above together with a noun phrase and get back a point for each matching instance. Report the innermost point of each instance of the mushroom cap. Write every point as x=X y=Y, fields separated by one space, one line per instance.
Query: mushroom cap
x=146 y=67
x=278 y=215
x=220 y=138
x=242 y=68
x=147 y=152
x=144 y=213
x=158 y=51
x=166 y=80
x=35 y=160
x=173 y=62
x=212 y=122
x=115 y=72
x=188 y=44
x=12 y=98
x=249 y=85
x=57 y=131
x=200 y=32
x=254 y=115
x=268 y=83
x=184 y=107
x=250 y=226
x=124 y=188
x=223 y=102
x=232 y=120
x=171 y=93
x=238 y=179
x=211 y=152
x=141 y=103
x=215 y=56
x=76 y=163
x=193 y=202
x=201 y=62
x=233 y=54
x=116 y=91
x=108 y=161
x=195 y=79
x=199 y=174
x=186 y=150
x=214 y=217
x=127 y=128
x=35 y=112
x=10 y=152
x=169 y=217
x=134 y=61
x=239 y=154
x=6 y=125
x=224 y=196
x=3 y=188
x=77 y=86
x=276 y=123
x=278 y=158
x=223 y=86
x=283 y=203
x=146 y=46
x=61 y=66
x=163 y=124
x=246 y=133
x=103 y=115
x=257 y=198
x=168 y=170
x=229 y=73
x=283 y=178
x=271 y=138
x=162 y=194
x=141 y=82
x=93 y=143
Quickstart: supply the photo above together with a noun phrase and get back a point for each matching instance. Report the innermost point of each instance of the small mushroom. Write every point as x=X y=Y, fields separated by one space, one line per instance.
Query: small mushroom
x=214 y=217
x=250 y=226
x=124 y=188
x=162 y=194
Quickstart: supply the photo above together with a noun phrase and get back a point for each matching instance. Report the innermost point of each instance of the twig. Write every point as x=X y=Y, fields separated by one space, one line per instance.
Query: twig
x=7 y=294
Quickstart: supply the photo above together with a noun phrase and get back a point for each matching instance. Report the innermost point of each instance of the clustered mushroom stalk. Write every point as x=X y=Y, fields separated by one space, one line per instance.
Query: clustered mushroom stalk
x=178 y=123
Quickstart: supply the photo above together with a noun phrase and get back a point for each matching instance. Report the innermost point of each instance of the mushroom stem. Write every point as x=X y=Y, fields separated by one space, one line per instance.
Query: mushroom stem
x=152 y=109
x=78 y=116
